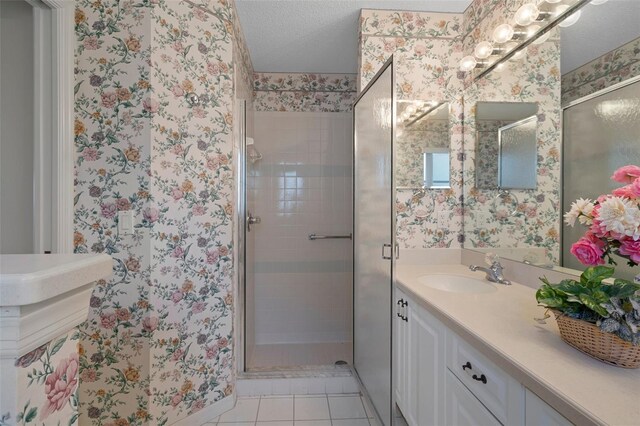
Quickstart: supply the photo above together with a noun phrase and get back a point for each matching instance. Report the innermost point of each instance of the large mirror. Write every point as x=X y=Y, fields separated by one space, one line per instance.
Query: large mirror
x=506 y=145
x=423 y=145
x=584 y=78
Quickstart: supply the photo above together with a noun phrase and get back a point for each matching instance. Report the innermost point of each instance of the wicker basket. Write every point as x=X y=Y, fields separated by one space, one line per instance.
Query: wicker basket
x=606 y=347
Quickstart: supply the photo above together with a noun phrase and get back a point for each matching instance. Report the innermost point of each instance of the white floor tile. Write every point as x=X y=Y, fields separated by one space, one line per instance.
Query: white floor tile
x=238 y=424
x=275 y=408
x=367 y=407
x=350 y=422
x=311 y=408
x=246 y=410
x=346 y=407
x=279 y=423
x=312 y=423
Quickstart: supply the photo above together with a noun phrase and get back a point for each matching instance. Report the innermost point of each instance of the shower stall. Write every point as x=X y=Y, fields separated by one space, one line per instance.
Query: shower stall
x=601 y=134
x=298 y=247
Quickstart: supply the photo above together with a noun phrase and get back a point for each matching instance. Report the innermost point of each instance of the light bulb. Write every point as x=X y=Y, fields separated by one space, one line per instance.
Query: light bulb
x=483 y=50
x=503 y=33
x=468 y=63
x=597 y=2
x=555 y=1
x=527 y=14
x=411 y=109
x=571 y=19
x=404 y=116
x=500 y=67
x=432 y=104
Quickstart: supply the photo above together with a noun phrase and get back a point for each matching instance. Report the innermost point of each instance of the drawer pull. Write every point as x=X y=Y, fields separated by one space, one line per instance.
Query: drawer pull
x=482 y=378
x=467 y=365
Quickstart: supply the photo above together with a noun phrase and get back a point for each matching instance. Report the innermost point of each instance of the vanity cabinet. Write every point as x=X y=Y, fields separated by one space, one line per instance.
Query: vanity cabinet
x=420 y=364
x=442 y=380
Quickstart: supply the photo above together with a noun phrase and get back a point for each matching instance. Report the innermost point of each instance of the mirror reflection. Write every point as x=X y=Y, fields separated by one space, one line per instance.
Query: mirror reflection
x=506 y=151
x=422 y=145
x=584 y=79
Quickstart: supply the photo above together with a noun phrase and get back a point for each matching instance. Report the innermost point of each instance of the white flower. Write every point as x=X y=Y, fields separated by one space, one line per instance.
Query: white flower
x=621 y=216
x=581 y=209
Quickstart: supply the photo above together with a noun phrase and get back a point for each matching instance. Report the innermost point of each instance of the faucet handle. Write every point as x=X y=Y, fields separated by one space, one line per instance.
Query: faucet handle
x=491 y=259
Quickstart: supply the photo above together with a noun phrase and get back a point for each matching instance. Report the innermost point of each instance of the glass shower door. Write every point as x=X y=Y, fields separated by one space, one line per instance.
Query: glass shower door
x=601 y=134
x=374 y=237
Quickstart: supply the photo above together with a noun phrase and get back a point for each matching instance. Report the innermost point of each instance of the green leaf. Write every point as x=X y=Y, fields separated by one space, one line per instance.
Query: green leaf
x=76 y=198
x=76 y=88
x=57 y=346
x=621 y=288
x=595 y=275
x=570 y=287
x=547 y=296
x=31 y=415
x=593 y=304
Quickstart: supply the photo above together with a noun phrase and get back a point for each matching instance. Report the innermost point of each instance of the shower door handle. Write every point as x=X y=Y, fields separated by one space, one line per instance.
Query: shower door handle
x=384 y=250
x=252 y=220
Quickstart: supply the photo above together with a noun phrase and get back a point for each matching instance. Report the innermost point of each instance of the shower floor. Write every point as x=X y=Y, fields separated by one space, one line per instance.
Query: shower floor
x=299 y=354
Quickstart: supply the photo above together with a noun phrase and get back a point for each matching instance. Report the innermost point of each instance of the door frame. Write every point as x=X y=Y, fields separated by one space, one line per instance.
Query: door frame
x=389 y=63
x=53 y=125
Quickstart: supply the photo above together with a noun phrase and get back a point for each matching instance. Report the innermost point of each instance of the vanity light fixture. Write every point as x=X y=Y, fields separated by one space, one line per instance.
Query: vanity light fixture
x=505 y=33
x=533 y=30
x=411 y=109
x=485 y=49
x=468 y=63
x=569 y=20
x=529 y=13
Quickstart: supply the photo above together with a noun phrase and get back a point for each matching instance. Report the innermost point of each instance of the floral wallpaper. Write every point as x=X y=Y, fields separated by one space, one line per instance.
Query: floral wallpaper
x=487 y=151
x=427 y=49
x=47 y=392
x=411 y=143
x=292 y=92
x=158 y=344
x=616 y=66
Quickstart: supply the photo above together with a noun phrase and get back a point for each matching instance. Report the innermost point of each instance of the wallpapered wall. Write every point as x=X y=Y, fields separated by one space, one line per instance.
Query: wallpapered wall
x=296 y=92
x=158 y=344
x=427 y=50
x=613 y=67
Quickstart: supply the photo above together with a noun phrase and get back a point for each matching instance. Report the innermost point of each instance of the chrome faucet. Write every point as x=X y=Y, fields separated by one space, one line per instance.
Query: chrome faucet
x=494 y=271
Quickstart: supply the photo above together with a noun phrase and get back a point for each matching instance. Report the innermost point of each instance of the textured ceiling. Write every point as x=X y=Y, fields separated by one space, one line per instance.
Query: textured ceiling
x=600 y=29
x=315 y=35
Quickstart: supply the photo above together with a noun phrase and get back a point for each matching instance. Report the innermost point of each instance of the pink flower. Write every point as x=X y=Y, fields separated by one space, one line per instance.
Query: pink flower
x=178 y=252
x=90 y=43
x=89 y=375
x=109 y=99
x=212 y=257
x=198 y=307
x=150 y=214
x=123 y=204
x=149 y=324
x=632 y=249
x=587 y=251
x=198 y=210
x=108 y=210
x=90 y=154
x=626 y=174
x=211 y=352
x=177 y=91
x=59 y=385
x=176 y=193
x=150 y=105
x=108 y=321
x=176 y=296
x=177 y=399
x=177 y=355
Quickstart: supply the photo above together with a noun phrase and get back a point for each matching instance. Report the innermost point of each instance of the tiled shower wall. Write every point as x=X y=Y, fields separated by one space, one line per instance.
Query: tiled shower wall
x=302 y=186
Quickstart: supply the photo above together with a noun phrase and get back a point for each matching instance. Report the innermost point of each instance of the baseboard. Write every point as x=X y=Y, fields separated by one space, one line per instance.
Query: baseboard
x=209 y=413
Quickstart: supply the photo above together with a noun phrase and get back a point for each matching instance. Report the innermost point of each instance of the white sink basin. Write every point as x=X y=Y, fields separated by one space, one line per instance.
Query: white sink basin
x=456 y=283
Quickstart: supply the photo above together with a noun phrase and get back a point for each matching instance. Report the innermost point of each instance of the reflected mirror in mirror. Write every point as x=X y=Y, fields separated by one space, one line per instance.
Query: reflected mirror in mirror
x=422 y=145
x=506 y=154
x=585 y=78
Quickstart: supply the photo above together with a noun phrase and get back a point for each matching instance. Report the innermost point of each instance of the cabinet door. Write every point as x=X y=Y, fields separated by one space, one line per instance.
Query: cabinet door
x=539 y=413
x=462 y=408
x=426 y=368
x=401 y=351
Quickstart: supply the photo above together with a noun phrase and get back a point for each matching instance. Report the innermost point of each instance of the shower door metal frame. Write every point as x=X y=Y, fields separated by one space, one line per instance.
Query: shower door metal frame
x=573 y=103
x=393 y=255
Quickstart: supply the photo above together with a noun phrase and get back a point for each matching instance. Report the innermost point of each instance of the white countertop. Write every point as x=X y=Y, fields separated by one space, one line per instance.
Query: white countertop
x=501 y=325
x=32 y=278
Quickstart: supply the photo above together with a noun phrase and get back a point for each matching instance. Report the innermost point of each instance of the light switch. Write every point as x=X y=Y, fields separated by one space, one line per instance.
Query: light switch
x=443 y=219
x=125 y=222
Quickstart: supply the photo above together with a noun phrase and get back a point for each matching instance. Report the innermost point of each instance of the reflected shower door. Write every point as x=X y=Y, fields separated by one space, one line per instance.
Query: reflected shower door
x=374 y=236
x=601 y=134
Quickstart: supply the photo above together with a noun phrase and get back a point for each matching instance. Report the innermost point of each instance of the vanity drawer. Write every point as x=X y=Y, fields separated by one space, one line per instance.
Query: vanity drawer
x=498 y=391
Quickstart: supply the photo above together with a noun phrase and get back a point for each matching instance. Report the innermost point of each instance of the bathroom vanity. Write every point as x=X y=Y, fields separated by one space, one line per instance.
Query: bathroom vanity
x=468 y=355
x=43 y=297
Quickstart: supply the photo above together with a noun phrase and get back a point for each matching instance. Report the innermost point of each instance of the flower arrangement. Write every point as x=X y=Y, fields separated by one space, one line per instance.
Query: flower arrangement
x=613 y=222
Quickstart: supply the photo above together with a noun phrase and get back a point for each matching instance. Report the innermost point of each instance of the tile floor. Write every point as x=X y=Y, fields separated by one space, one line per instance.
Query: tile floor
x=299 y=410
